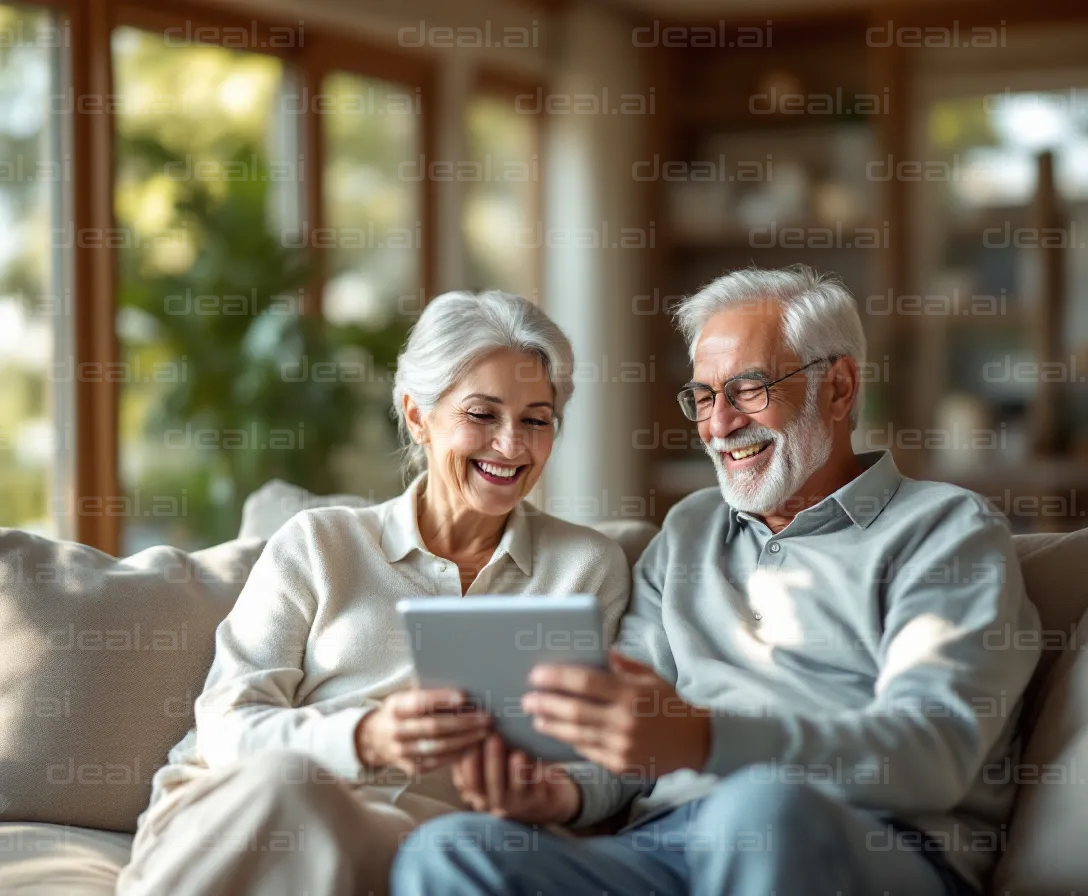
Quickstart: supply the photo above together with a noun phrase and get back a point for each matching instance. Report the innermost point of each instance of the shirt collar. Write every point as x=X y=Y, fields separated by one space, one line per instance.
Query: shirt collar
x=863 y=498
x=517 y=538
x=400 y=534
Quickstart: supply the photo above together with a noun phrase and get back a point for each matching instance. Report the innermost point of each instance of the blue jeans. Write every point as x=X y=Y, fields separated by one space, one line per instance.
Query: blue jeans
x=748 y=837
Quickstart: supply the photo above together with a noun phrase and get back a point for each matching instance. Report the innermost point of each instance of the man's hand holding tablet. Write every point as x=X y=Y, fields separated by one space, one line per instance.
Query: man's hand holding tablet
x=626 y=718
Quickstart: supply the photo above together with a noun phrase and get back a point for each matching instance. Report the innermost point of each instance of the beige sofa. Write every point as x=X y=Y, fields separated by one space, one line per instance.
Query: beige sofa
x=101 y=660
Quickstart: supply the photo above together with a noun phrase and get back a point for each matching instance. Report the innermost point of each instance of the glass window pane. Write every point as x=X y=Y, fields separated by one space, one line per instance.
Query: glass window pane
x=36 y=423
x=373 y=203
x=206 y=193
x=499 y=221
x=373 y=197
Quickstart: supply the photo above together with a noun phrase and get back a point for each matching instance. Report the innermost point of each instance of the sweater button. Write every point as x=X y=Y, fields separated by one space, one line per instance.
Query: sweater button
x=775 y=547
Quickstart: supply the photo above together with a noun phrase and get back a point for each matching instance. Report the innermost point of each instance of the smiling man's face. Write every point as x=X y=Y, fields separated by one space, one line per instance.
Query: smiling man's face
x=790 y=438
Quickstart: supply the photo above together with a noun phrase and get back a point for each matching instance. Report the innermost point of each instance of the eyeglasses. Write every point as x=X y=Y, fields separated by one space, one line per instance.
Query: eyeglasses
x=749 y=393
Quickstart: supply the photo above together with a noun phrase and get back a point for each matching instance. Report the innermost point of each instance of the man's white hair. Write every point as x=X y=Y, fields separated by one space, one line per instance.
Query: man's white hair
x=820 y=316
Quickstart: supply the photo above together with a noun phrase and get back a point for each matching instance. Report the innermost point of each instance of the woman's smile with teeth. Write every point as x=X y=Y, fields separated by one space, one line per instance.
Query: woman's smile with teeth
x=495 y=470
x=741 y=453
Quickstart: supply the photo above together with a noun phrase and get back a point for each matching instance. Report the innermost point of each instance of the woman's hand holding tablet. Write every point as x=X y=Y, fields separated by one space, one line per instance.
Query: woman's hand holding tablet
x=418 y=730
x=509 y=784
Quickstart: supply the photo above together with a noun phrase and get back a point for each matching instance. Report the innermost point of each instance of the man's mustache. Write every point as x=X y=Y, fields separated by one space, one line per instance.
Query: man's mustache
x=755 y=436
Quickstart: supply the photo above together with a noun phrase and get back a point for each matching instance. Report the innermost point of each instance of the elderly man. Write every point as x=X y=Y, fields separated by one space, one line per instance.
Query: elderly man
x=814 y=695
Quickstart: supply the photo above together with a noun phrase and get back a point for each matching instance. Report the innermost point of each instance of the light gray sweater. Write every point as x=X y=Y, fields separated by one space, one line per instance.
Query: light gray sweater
x=867 y=647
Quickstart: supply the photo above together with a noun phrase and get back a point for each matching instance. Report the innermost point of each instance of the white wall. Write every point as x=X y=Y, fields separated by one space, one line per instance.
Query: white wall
x=589 y=291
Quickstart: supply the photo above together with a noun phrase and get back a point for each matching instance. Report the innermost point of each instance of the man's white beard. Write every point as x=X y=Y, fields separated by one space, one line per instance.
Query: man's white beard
x=799 y=450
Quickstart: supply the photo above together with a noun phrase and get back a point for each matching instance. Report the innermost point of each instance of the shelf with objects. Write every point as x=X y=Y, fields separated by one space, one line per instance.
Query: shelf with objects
x=1000 y=376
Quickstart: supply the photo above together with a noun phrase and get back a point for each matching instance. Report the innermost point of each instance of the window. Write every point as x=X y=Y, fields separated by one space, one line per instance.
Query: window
x=260 y=247
x=233 y=379
x=500 y=219
x=206 y=197
x=373 y=202
x=372 y=248
x=35 y=303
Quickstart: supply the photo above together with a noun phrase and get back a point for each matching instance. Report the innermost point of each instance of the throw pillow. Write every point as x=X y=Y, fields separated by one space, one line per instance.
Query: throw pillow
x=100 y=662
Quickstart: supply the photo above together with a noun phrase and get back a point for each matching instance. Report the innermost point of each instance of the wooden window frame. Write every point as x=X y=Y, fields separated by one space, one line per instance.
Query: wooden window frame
x=95 y=501
x=331 y=53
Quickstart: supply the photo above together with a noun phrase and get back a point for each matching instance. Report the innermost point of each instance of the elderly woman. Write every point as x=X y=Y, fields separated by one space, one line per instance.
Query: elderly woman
x=313 y=752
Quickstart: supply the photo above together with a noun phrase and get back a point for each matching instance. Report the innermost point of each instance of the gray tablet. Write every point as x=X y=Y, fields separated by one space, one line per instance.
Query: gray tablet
x=487 y=645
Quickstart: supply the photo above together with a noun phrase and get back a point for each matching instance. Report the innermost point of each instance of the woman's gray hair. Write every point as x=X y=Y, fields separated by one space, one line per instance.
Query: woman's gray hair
x=458 y=329
x=820 y=315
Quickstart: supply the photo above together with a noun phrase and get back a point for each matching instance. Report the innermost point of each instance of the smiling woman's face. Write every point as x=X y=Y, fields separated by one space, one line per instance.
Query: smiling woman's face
x=488 y=439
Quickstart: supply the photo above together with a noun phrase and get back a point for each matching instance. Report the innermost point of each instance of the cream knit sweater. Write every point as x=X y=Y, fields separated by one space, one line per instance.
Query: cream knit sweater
x=313 y=642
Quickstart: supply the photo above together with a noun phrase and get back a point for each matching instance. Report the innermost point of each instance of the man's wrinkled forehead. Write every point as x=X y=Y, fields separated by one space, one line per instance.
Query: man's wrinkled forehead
x=740 y=340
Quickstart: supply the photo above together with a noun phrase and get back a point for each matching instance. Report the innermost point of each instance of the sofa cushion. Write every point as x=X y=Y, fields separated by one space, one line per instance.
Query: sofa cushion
x=275 y=502
x=1045 y=853
x=100 y=661
x=1056 y=574
x=631 y=535
x=58 y=860
x=1055 y=568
